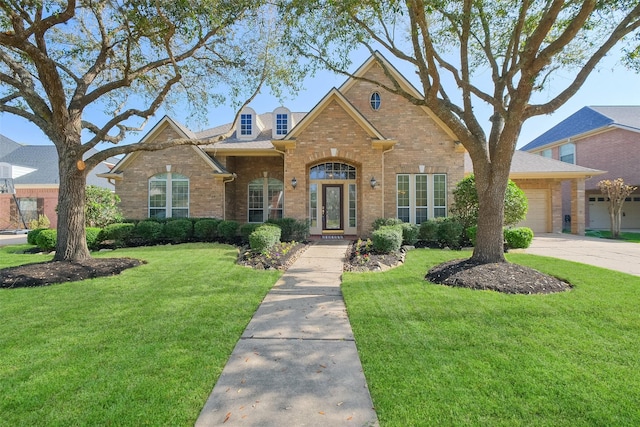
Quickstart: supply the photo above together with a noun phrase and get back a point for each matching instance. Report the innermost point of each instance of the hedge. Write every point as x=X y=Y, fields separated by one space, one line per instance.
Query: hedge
x=247 y=229
x=47 y=239
x=228 y=230
x=178 y=230
x=206 y=230
x=32 y=235
x=292 y=229
x=264 y=237
x=149 y=230
x=409 y=233
x=92 y=234
x=119 y=233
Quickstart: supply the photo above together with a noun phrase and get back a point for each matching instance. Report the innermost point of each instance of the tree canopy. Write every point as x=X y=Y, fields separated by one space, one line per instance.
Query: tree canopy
x=89 y=72
x=467 y=54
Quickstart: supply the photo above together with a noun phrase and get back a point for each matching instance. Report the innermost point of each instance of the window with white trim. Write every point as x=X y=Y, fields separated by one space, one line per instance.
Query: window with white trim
x=375 y=101
x=421 y=197
x=282 y=124
x=169 y=196
x=568 y=153
x=265 y=199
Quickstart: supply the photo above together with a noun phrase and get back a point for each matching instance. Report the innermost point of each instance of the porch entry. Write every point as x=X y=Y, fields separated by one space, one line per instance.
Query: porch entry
x=332 y=199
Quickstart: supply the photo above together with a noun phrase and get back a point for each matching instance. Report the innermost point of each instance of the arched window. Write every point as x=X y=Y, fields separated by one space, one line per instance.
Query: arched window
x=332 y=170
x=169 y=196
x=374 y=100
x=265 y=199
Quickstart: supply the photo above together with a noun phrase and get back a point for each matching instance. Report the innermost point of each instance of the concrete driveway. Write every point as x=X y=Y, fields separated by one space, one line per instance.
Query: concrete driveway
x=12 y=239
x=611 y=254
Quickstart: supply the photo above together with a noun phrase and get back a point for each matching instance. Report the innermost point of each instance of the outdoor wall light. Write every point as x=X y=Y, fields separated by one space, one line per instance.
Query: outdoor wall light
x=294 y=182
x=373 y=182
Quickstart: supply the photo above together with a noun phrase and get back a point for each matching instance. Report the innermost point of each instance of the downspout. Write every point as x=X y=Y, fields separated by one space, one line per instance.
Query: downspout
x=224 y=194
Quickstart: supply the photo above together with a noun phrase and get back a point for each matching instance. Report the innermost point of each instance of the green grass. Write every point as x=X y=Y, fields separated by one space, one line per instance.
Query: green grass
x=604 y=234
x=141 y=348
x=436 y=355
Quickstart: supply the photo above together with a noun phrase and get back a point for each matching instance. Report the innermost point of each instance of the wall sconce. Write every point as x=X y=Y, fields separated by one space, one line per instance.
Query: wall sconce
x=294 y=182
x=373 y=182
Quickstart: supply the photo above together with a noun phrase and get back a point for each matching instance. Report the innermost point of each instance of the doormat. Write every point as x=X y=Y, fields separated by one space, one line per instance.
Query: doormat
x=335 y=237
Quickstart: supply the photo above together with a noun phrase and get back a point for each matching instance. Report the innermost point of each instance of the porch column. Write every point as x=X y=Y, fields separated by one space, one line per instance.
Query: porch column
x=577 y=206
x=556 y=207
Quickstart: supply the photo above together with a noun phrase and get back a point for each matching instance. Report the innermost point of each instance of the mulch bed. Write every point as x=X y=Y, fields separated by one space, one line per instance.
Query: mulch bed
x=48 y=273
x=280 y=257
x=502 y=277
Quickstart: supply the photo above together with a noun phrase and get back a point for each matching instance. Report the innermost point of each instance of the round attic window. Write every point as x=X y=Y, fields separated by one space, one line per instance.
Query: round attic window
x=374 y=101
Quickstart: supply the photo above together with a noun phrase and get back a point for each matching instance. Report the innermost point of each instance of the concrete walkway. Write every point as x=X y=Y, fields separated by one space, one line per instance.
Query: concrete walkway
x=611 y=254
x=296 y=363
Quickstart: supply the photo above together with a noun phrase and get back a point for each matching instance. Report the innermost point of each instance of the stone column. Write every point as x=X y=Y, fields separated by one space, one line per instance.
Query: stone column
x=577 y=206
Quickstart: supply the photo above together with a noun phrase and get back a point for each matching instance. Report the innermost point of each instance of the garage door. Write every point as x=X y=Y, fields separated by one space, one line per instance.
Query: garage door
x=599 y=213
x=538 y=213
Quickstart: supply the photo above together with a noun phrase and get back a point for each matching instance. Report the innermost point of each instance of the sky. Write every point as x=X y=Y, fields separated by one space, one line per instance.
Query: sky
x=610 y=84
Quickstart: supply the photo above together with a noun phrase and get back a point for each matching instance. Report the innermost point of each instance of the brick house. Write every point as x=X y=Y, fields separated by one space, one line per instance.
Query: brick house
x=360 y=154
x=32 y=171
x=598 y=137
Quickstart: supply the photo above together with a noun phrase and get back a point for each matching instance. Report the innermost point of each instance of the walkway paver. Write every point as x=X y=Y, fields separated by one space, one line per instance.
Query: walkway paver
x=296 y=363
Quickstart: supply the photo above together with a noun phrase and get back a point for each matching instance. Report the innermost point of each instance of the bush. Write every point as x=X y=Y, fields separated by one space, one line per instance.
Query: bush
x=465 y=205
x=381 y=222
x=119 y=232
x=409 y=233
x=292 y=229
x=228 y=230
x=149 y=231
x=101 y=207
x=264 y=237
x=32 y=235
x=92 y=234
x=206 y=230
x=42 y=222
x=47 y=239
x=429 y=231
x=178 y=230
x=247 y=229
x=471 y=234
x=518 y=238
x=450 y=233
x=387 y=239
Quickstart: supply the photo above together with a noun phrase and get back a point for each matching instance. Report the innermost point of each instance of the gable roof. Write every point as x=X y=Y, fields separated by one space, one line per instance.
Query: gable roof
x=42 y=160
x=588 y=120
x=7 y=145
x=181 y=130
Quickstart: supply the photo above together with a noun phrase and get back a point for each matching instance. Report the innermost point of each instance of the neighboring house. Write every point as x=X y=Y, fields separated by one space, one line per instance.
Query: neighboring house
x=600 y=137
x=360 y=154
x=33 y=172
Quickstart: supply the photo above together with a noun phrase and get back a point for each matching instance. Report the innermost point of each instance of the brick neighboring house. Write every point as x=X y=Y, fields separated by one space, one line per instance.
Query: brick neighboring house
x=599 y=137
x=33 y=170
x=360 y=154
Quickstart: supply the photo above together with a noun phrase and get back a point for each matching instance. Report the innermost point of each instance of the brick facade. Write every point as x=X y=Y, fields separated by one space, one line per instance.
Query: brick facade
x=46 y=199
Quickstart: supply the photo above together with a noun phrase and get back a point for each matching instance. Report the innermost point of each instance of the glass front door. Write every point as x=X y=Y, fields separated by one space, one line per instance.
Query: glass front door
x=332 y=207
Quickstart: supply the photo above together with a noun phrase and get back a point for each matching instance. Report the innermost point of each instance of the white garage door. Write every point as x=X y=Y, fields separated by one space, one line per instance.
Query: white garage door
x=599 y=213
x=538 y=213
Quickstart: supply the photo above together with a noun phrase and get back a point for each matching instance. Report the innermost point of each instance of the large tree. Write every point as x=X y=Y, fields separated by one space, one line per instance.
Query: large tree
x=469 y=55
x=88 y=72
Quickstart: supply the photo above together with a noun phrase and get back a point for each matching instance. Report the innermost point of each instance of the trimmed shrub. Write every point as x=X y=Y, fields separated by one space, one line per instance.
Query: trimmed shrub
x=300 y=231
x=92 y=234
x=264 y=237
x=32 y=235
x=381 y=222
x=292 y=229
x=149 y=231
x=47 y=239
x=450 y=233
x=409 y=233
x=387 y=239
x=119 y=232
x=518 y=238
x=178 y=230
x=206 y=230
x=429 y=231
x=228 y=230
x=247 y=229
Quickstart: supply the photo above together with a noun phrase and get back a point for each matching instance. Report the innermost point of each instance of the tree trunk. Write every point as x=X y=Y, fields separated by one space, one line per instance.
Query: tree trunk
x=72 y=243
x=491 y=184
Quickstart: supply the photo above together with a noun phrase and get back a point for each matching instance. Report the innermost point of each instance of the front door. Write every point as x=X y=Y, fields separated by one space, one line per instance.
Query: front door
x=332 y=207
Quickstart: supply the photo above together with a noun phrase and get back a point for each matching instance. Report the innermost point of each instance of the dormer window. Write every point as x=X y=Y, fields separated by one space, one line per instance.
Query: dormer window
x=282 y=122
x=246 y=124
x=374 y=101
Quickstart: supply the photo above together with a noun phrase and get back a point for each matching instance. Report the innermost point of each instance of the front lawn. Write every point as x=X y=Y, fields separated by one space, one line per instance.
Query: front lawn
x=436 y=355
x=604 y=234
x=141 y=348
